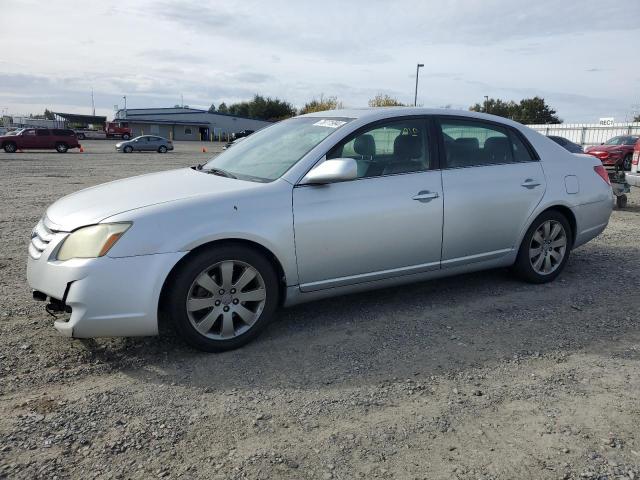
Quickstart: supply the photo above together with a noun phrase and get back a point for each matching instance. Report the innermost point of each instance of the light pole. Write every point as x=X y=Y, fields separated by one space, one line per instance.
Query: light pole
x=125 y=105
x=486 y=104
x=415 y=98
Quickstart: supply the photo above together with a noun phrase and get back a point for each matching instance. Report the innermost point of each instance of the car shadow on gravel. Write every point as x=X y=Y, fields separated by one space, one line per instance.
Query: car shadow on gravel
x=422 y=329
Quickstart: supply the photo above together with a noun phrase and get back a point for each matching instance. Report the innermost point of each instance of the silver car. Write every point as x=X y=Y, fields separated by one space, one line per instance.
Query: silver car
x=145 y=143
x=312 y=207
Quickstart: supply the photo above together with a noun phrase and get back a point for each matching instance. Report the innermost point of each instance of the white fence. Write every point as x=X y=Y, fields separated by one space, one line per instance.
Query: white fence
x=586 y=134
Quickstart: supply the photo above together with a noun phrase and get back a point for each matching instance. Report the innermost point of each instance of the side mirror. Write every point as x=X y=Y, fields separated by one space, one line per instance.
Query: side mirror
x=332 y=171
x=602 y=143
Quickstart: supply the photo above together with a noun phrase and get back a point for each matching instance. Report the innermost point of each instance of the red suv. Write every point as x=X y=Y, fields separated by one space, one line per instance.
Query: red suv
x=616 y=151
x=39 y=139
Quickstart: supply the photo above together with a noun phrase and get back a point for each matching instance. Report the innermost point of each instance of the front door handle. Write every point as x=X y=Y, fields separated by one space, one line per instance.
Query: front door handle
x=530 y=183
x=425 y=196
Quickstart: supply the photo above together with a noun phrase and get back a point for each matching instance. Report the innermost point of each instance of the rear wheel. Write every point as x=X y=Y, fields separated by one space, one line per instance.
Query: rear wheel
x=626 y=163
x=222 y=298
x=126 y=136
x=61 y=147
x=545 y=248
x=162 y=149
x=10 y=147
x=127 y=149
x=80 y=136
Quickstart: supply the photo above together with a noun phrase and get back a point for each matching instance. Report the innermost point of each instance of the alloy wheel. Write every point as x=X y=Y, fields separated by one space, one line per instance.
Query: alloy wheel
x=226 y=299
x=548 y=247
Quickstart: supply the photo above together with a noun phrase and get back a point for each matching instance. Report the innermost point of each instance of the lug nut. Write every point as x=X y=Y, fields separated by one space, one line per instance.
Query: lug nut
x=221 y=291
x=217 y=303
x=235 y=301
x=233 y=290
x=226 y=309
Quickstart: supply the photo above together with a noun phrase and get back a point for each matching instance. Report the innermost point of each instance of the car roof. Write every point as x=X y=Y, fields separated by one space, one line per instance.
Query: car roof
x=380 y=113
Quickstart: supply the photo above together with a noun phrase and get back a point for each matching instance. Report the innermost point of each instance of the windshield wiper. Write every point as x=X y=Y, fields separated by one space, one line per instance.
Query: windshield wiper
x=220 y=172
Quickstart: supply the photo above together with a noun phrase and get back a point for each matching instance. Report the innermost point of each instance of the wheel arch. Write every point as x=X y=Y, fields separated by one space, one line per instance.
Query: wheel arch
x=163 y=320
x=564 y=210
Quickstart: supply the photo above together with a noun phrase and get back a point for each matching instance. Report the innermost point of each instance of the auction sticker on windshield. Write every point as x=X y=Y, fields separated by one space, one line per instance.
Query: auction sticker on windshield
x=330 y=123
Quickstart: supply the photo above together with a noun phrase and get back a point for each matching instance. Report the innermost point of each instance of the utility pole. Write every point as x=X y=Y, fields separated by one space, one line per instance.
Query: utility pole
x=125 y=106
x=415 y=98
x=486 y=104
x=93 y=104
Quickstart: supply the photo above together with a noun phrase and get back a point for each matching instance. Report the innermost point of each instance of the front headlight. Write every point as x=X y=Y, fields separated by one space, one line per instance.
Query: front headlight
x=93 y=241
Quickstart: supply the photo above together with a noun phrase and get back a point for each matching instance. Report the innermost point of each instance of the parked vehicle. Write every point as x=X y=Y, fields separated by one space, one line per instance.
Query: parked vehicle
x=145 y=143
x=233 y=142
x=616 y=151
x=111 y=130
x=39 y=139
x=633 y=177
x=567 y=144
x=242 y=133
x=315 y=206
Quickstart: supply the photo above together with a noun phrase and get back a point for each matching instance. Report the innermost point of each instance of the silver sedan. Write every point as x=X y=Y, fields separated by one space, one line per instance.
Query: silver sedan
x=145 y=143
x=312 y=207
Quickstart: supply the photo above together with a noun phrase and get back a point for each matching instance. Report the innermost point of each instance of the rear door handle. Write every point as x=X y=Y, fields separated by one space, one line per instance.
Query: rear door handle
x=425 y=196
x=530 y=183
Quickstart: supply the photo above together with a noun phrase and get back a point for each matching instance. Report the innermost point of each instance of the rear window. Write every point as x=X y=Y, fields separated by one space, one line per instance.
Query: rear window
x=63 y=133
x=42 y=132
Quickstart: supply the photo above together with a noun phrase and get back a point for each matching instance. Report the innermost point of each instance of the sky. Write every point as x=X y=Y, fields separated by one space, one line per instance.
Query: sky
x=581 y=56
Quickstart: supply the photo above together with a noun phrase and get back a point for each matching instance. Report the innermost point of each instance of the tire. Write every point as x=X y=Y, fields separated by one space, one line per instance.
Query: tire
x=10 y=147
x=220 y=320
x=80 y=136
x=127 y=149
x=162 y=149
x=621 y=201
x=626 y=163
x=61 y=147
x=534 y=268
x=126 y=136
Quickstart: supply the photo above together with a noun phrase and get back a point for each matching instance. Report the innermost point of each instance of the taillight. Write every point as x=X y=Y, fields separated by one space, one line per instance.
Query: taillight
x=600 y=170
x=636 y=157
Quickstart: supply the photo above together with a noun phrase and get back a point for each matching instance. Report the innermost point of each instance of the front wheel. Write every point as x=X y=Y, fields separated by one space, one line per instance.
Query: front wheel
x=126 y=137
x=162 y=149
x=222 y=298
x=80 y=136
x=61 y=147
x=545 y=248
x=127 y=149
x=10 y=147
x=626 y=163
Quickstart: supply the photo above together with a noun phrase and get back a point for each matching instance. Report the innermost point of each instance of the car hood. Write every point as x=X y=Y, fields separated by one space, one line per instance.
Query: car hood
x=94 y=204
x=605 y=148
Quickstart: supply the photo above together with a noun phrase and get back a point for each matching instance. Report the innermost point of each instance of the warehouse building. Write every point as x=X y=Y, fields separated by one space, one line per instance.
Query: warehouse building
x=185 y=123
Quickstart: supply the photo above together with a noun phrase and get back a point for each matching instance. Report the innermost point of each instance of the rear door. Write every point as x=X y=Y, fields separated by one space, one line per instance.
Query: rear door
x=492 y=182
x=44 y=139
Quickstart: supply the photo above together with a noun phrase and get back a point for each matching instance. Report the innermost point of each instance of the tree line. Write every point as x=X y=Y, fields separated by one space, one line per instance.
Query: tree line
x=528 y=110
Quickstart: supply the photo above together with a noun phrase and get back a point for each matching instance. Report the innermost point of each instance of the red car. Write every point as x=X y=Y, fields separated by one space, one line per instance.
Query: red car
x=617 y=151
x=39 y=139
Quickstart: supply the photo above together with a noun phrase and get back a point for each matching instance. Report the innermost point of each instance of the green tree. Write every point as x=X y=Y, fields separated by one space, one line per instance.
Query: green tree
x=212 y=108
x=384 y=100
x=48 y=114
x=528 y=111
x=263 y=108
x=321 y=104
x=222 y=108
x=636 y=118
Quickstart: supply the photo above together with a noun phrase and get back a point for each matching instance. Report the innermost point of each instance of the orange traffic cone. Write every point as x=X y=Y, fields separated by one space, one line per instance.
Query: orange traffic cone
x=204 y=150
x=81 y=149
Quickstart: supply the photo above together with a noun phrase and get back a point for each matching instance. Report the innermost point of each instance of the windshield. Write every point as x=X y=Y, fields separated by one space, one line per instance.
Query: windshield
x=270 y=152
x=621 y=141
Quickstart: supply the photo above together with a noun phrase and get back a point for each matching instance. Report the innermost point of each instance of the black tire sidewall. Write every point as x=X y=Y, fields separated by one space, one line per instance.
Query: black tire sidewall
x=162 y=149
x=10 y=148
x=127 y=149
x=126 y=137
x=61 y=148
x=627 y=160
x=523 y=267
x=184 y=276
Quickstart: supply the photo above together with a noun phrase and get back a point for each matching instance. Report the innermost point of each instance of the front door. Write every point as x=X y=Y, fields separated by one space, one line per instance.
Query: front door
x=492 y=183
x=386 y=223
x=29 y=138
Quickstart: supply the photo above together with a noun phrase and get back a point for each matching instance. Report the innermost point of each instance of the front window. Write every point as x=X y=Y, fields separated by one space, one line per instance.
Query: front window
x=270 y=152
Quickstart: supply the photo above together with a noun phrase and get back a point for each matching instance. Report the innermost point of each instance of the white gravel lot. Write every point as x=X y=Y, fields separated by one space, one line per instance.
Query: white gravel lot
x=473 y=377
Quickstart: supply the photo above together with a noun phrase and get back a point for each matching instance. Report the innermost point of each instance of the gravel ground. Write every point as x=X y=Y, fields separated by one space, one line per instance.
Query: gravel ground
x=478 y=376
